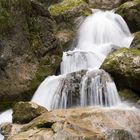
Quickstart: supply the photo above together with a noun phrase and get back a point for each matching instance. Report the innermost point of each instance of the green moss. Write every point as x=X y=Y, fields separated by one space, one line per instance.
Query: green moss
x=59 y=8
x=6 y=9
x=128 y=5
x=34 y=29
x=138 y=102
x=128 y=95
x=123 y=65
x=122 y=57
x=47 y=68
x=134 y=52
x=6 y=105
x=130 y=12
x=136 y=42
x=5 y=20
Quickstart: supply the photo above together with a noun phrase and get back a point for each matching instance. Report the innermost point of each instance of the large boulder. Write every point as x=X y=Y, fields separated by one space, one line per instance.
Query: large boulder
x=124 y=66
x=30 y=48
x=130 y=11
x=69 y=10
x=24 y=112
x=101 y=124
x=136 y=41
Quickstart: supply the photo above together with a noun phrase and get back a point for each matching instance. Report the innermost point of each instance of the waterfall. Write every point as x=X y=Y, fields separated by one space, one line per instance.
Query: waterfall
x=51 y=85
x=99 y=34
x=98 y=89
x=81 y=82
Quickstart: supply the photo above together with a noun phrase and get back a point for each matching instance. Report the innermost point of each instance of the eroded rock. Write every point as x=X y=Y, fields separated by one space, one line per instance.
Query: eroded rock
x=130 y=11
x=83 y=123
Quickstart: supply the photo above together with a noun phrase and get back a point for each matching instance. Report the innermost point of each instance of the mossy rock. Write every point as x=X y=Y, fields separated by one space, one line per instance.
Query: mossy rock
x=24 y=112
x=128 y=95
x=5 y=19
x=138 y=102
x=104 y=4
x=130 y=11
x=68 y=10
x=48 y=66
x=136 y=42
x=124 y=66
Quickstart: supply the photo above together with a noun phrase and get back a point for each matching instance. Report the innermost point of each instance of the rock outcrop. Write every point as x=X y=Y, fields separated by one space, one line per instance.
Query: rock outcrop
x=83 y=124
x=104 y=4
x=31 y=45
x=124 y=66
x=136 y=42
x=24 y=45
x=130 y=11
x=127 y=95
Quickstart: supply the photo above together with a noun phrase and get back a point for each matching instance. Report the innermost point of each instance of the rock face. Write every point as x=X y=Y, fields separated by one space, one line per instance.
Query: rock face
x=67 y=13
x=24 y=112
x=124 y=66
x=130 y=11
x=23 y=46
x=128 y=95
x=71 y=89
x=104 y=4
x=83 y=124
x=31 y=46
x=136 y=42
x=68 y=10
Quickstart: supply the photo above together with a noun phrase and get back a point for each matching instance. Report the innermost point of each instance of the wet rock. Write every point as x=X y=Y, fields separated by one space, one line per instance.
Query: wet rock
x=71 y=87
x=130 y=11
x=136 y=42
x=69 y=10
x=138 y=104
x=124 y=66
x=24 y=112
x=128 y=95
x=5 y=20
x=101 y=124
x=104 y=4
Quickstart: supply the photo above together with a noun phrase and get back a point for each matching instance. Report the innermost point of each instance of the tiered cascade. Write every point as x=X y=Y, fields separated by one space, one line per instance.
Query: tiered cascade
x=100 y=33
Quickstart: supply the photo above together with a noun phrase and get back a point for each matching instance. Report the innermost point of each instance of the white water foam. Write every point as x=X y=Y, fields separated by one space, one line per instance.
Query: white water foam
x=100 y=34
x=46 y=92
x=98 y=89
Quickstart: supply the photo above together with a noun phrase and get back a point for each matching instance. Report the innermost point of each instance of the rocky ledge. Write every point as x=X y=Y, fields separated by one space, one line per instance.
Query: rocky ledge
x=78 y=124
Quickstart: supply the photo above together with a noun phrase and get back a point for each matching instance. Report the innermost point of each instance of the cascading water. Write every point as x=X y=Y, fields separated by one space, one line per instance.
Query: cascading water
x=100 y=34
x=98 y=89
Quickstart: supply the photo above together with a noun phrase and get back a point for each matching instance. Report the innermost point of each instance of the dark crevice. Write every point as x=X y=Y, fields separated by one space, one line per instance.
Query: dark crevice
x=45 y=125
